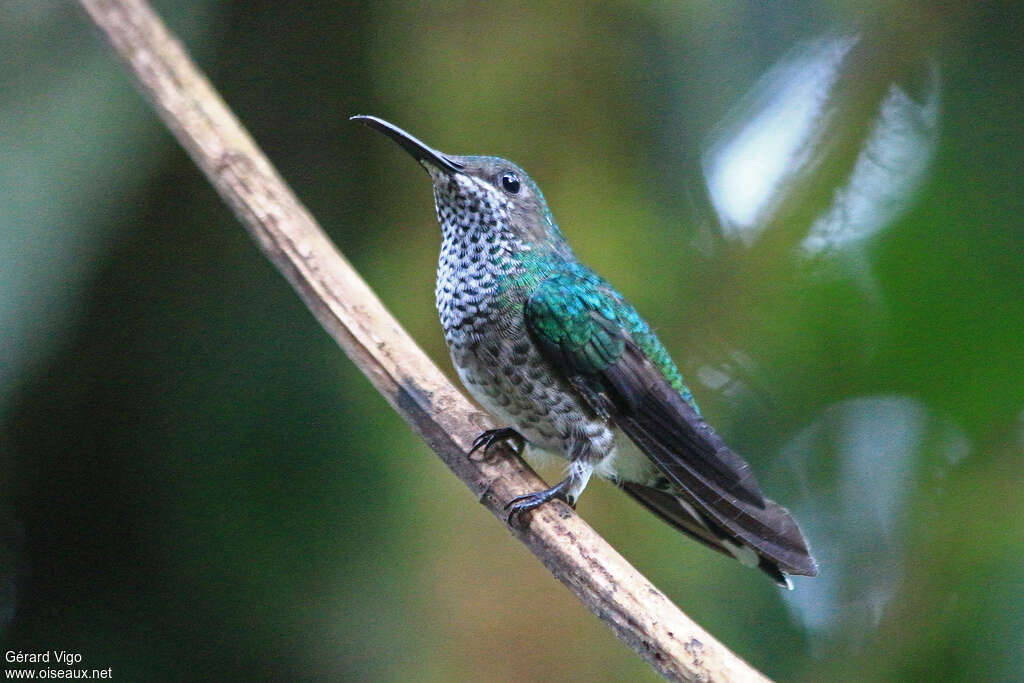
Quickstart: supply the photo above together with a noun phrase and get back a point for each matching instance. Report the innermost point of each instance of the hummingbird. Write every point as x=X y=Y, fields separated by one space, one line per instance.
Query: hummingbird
x=558 y=356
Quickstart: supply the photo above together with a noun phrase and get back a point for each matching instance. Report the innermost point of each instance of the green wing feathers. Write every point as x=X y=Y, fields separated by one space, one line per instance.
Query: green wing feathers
x=565 y=315
x=621 y=369
x=571 y=313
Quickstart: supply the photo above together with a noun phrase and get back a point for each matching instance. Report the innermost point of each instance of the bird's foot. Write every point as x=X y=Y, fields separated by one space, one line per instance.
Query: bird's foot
x=561 y=491
x=493 y=436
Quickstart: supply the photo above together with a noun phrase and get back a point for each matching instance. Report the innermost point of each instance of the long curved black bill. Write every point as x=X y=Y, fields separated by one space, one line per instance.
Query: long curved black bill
x=412 y=145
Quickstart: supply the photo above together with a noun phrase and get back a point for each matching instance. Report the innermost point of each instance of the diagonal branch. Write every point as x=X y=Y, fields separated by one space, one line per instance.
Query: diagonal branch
x=628 y=603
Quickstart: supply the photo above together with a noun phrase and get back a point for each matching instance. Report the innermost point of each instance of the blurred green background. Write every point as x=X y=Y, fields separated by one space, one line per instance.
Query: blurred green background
x=196 y=484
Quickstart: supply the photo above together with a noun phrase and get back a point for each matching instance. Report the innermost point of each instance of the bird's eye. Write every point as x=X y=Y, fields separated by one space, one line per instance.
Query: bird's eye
x=510 y=182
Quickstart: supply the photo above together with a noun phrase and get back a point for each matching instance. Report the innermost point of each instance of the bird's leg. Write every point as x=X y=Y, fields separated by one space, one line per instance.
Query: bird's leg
x=568 y=490
x=493 y=436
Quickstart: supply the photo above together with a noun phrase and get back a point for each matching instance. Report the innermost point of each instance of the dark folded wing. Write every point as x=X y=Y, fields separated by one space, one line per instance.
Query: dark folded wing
x=584 y=328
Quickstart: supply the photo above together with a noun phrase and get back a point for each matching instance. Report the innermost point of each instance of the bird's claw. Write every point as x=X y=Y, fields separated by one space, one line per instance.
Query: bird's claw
x=493 y=436
x=521 y=504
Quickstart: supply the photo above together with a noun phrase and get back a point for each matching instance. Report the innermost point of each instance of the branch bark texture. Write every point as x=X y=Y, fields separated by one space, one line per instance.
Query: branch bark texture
x=636 y=611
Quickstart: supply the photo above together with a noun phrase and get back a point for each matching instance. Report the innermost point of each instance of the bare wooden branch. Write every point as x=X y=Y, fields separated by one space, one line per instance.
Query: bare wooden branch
x=627 y=602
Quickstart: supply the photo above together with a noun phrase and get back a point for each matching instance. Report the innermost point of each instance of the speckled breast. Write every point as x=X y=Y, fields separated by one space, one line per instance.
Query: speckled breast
x=505 y=372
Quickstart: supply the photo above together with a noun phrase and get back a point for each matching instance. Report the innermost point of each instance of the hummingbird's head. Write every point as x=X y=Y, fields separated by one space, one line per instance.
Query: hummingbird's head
x=477 y=195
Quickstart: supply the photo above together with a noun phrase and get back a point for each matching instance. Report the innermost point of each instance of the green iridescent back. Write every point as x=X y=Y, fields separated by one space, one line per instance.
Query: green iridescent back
x=575 y=310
